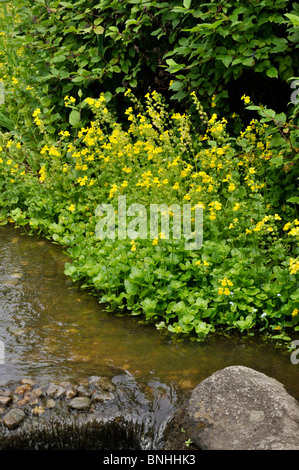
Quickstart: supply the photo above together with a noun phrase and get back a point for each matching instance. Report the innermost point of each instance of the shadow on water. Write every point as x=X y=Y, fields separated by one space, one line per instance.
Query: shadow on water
x=53 y=331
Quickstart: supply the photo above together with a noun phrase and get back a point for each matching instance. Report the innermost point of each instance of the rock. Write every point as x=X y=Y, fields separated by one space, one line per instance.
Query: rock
x=237 y=408
x=83 y=381
x=26 y=399
x=4 y=401
x=50 y=403
x=36 y=392
x=71 y=392
x=102 y=382
x=83 y=391
x=38 y=410
x=103 y=396
x=80 y=403
x=55 y=391
x=13 y=418
x=27 y=381
x=6 y=393
x=65 y=384
x=22 y=389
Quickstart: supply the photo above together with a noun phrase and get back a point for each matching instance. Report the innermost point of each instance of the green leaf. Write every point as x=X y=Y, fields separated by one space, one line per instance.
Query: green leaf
x=74 y=117
x=293 y=200
x=187 y=3
x=272 y=72
x=98 y=30
x=294 y=18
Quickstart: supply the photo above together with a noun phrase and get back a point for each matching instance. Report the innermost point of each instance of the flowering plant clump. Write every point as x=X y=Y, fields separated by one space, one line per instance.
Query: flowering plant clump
x=243 y=277
x=56 y=171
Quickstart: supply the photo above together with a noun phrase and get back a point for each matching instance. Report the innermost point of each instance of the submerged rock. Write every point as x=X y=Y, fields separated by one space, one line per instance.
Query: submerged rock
x=237 y=408
x=71 y=392
x=80 y=403
x=55 y=391
x=83 y=391
x=4 y=401
x=13 y=418
x=103 y=395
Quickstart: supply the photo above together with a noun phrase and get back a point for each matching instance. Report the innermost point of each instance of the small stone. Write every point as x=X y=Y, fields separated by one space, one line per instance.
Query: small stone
x=80 y=403
x=36 y=392
x=26 y=399
x=83 y=382
x=2 y=410
x=71 y=392
x=22 y=389
x=55 y=391
x=6 y=393
x=103 y=396
x=4 y=401
x=50 y=403
x=33 y=401
x=13 y=418
x=38 y=410
x=83 y=391
x=65 y=384
x=28 y=382
x=102 y=382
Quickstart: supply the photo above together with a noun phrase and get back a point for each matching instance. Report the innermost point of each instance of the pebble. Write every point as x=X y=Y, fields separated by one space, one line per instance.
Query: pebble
x=38 y=410
x=4 y=401
x=50 y=403
x=80 y=403
x=6 y=393
x=55 y=391
x=13 y=418
x=71 y=392
x=103 y=396
x=83 y=391
x=22 y=389
x=28 y=382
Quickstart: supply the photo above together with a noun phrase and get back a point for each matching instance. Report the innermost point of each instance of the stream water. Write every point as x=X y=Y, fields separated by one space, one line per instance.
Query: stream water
x=53 y=331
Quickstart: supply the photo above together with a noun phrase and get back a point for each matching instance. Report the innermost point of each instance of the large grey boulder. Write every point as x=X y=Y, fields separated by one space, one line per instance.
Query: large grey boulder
x=237 y=408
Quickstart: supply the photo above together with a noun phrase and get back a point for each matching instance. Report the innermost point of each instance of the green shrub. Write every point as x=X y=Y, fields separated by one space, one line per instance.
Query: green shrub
x=100 y=46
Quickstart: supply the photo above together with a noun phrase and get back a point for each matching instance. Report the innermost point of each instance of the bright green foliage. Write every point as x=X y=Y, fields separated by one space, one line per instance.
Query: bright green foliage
x=204 y=46
x=64 y=151
x=244 y=276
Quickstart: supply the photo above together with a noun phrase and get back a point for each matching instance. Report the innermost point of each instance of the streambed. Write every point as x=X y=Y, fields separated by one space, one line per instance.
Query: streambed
x=54 y=332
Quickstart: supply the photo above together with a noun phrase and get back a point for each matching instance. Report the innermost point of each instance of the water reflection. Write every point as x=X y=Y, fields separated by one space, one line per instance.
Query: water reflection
x=52 y=331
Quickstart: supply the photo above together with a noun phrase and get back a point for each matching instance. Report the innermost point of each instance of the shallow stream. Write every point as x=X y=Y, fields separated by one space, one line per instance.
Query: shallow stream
x=53 y=331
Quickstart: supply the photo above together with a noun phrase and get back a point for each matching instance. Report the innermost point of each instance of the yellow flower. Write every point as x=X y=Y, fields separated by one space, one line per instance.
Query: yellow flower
x=155 y=241
x=287 y=226
x=295 y=312
x=294 y=265
x=72 y=208
x=246 y=99
x=294 y=231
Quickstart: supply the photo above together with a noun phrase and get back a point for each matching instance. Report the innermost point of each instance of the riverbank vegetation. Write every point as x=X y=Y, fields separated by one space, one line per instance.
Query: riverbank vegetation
x=78 y=131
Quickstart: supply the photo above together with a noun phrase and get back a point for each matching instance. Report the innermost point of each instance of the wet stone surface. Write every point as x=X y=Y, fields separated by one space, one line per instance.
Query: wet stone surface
x=30 y=398
x=92 y=413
